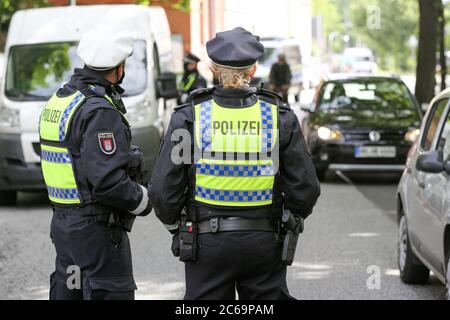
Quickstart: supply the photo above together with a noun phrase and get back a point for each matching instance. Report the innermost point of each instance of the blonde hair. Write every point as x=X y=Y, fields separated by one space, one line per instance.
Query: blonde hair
x=233 y=78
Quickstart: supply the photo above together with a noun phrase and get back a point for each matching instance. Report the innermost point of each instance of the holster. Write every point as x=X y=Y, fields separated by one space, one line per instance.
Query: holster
x=115 y=229
x=293 y=226
x=187 y=240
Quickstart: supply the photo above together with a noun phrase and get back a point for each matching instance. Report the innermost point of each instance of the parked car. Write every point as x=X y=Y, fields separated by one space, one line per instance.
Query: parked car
x=424 y=202
x=361 y=123
x=273 y=48
x=41 y=55
x=359 y=60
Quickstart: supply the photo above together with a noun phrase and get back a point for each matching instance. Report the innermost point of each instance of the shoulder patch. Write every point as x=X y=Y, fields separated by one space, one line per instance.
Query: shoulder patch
x=107 y=143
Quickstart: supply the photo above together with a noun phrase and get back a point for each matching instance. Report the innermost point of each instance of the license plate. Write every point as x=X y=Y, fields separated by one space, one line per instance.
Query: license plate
x=375 y=152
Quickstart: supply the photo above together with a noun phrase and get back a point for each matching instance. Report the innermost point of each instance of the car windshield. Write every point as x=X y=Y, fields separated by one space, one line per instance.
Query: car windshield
x=37 y=71
x=386 y=96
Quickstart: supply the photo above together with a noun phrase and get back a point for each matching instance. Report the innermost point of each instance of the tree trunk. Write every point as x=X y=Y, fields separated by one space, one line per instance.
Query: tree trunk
x=443 y=58
x=426 y=60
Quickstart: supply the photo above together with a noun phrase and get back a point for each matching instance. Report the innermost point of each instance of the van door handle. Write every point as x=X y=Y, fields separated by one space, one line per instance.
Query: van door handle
x=422 y=185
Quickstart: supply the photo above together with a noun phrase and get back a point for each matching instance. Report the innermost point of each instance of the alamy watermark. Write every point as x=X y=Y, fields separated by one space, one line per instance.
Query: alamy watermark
x=374 y=280
x=73 y=281
x=374 y=17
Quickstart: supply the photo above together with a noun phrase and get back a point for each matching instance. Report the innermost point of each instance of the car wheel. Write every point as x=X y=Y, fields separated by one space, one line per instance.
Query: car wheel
x=8 y=198
x=448 y=280
x=412 y=271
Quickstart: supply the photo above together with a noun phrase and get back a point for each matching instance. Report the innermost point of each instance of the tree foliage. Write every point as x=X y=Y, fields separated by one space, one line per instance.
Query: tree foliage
x=184 y=5
x=7 y=9
x=398 y=22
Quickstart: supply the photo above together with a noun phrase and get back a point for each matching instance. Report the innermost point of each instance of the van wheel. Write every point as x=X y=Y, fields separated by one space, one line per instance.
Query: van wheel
x=412 y=271
x=8 y=198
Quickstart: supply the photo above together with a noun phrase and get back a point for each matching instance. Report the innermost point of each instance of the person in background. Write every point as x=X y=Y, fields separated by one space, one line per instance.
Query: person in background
x=280 y=77
x=192 y=80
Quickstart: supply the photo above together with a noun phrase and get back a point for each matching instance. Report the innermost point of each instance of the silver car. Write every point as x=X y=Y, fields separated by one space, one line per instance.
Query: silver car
x=424 y=200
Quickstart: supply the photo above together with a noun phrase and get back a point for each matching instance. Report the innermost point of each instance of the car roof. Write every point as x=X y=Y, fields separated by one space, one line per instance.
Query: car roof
x=358 y=76
x=68 y=23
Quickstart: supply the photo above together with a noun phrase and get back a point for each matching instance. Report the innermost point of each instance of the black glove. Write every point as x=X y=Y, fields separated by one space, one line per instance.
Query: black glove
x=176 y=245
x=136 y=165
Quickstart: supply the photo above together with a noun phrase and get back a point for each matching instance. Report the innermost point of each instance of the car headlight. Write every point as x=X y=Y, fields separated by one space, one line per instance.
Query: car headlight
x=9 y=118
x=412 y=135
x=328 y=134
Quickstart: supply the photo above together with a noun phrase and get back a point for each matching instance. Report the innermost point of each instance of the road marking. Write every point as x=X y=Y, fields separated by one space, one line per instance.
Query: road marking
x=344 y=177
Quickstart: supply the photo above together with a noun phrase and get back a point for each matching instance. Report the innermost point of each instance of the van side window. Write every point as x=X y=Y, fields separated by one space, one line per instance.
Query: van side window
x=433 y=124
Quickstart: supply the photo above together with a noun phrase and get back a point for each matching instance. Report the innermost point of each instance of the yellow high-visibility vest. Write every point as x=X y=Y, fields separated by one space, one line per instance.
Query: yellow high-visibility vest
x=245 y=181
x=56 y=159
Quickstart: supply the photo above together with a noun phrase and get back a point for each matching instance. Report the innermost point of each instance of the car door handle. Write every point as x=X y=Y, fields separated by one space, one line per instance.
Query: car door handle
x=422 y=185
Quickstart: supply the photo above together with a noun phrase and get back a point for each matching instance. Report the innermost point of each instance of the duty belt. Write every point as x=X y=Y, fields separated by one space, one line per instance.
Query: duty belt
x=217 y=225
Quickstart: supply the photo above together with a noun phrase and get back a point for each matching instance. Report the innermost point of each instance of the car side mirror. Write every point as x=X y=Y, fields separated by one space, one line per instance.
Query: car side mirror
x=166 y=85
x=431 y=162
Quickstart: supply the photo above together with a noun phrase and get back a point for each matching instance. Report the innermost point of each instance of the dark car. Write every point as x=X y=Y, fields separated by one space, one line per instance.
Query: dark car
x=361 y=123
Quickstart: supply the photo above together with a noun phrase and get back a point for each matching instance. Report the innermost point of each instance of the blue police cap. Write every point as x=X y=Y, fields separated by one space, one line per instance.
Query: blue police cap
x=236 y=48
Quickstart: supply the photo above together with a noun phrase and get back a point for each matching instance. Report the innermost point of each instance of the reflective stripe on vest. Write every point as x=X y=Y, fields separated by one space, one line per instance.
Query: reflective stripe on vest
x=186 y=86
x=225 y=181
x=59 y=177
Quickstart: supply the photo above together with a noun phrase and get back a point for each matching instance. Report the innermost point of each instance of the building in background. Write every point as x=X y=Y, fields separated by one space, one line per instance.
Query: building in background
x=267 y=18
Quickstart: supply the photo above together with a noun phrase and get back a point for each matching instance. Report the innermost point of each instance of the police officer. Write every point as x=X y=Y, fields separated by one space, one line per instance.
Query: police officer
x=249 y=162
x=86 y=157
x=192 y=80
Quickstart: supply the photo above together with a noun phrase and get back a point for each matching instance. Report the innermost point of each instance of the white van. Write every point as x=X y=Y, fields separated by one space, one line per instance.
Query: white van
x=41 y=56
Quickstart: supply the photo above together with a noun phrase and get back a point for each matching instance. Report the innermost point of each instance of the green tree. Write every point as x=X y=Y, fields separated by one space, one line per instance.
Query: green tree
x=333 y=14
x=395 y=23
x=184 y=5
x=7 y=9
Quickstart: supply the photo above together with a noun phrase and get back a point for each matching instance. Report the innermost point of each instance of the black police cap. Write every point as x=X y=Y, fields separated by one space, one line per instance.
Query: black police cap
x=191 y=58
x=236 y=48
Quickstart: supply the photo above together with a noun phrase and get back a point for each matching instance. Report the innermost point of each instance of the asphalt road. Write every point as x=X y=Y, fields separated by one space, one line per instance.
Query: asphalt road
x=352 y=229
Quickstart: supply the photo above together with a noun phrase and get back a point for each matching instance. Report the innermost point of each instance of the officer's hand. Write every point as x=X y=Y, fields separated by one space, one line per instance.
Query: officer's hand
x=176 y=245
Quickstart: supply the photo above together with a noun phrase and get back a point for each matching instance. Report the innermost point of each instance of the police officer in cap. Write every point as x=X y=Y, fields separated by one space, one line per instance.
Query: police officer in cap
x=192 y=80
x=86 y=157
x=248 y=162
